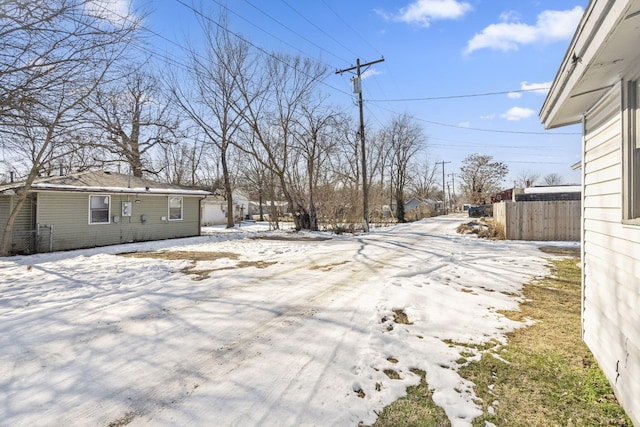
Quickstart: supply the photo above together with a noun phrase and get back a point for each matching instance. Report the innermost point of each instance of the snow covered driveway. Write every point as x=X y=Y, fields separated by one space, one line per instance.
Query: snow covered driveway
x=274 y=330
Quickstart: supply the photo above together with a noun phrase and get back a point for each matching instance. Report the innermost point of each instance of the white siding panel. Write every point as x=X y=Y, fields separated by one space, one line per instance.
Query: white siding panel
x=611 y=256
x=604 y=201
x=602 y=188
x=602 y=213
x=604 y=163
x=596 y=177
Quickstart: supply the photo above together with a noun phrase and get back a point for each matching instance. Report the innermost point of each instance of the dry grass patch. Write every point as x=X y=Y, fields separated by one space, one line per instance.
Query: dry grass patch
x=554 y=250
x=544 y=376
x=392 y=374
x=550 y=377
x=485 y=228
x=415 y=409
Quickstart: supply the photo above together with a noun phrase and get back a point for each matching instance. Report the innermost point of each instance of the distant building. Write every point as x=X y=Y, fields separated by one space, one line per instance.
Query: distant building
x=550 y=193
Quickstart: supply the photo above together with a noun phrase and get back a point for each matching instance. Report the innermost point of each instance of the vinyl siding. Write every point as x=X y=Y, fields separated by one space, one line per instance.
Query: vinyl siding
x=23 y=239
x=611 y=256
x=68 y=215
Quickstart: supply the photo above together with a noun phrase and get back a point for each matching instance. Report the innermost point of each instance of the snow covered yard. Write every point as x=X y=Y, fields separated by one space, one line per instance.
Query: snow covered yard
x=264 y=328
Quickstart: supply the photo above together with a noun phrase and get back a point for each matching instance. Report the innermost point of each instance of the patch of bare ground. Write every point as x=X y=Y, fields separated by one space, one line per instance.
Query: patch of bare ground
x=328 y=267
x=292 y=238
x=182 y=255
x=399 y=316
x=195 y=256
x=123 y=420
x=202 y=274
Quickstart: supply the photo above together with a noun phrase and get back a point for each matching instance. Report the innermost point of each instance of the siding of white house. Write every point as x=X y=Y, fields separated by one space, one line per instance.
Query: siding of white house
x=611 y=257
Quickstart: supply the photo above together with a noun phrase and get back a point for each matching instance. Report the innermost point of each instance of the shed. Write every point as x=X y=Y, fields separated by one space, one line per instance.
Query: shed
x=598 y=85
x=98 y=208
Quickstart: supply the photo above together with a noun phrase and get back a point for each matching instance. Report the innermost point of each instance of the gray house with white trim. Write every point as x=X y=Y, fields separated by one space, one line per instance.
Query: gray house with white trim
x=598 y=85
x=98 y=208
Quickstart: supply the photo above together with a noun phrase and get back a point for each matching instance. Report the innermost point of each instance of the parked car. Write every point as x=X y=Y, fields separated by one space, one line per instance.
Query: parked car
x=480 y=211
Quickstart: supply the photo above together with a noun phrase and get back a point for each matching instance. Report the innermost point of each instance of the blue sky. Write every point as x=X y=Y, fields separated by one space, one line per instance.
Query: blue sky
x=433 y=49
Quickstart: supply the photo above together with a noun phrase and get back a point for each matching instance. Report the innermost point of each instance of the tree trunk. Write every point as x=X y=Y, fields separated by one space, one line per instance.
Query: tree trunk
x=400 y=207
x=228 y=194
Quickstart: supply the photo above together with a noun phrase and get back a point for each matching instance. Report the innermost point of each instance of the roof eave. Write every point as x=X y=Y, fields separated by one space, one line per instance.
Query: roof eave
x=598 y=21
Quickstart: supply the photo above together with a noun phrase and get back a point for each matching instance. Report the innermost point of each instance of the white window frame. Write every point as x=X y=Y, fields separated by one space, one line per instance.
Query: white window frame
x=631 y=153
x=90 y=210
x=181 y=208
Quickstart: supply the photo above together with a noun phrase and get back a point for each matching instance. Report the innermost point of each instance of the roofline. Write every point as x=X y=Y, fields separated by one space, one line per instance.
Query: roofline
x=117 y=190
x=577 y=58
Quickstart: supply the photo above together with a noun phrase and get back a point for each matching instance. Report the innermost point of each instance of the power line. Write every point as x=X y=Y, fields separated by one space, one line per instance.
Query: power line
x=473 y=95
x=350 y=27
x=276 y=57
x=319 y=28
x=287 y=28
x=483 y=130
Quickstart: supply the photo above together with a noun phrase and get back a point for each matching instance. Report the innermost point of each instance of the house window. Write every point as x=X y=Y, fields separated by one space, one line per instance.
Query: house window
x=175 y=208
x=631 y=154
x=99 y=209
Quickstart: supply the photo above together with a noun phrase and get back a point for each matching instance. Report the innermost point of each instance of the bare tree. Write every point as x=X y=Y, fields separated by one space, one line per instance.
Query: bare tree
x=315 y=140
x=527 y=178
x=345 y=168
x=133 y=116
x=553 y=179
x=424 y=179
x=254 y=178
x=481 y=177
x=272 y=104
x=214 y=103
x=182 y=163
x=404 y=139
x=53 y=56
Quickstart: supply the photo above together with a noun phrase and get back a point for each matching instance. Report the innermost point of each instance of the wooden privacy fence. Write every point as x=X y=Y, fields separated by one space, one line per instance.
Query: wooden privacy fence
x=552 y=220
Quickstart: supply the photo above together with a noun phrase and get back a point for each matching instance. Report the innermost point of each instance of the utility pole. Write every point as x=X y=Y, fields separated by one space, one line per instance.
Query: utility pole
x=444 y=190
x=357 y=88
x=453 y=185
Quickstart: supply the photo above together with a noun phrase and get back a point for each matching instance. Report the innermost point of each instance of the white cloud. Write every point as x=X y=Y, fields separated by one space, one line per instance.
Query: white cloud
x=510 y=15
x=370 y=73
x=115 y=11
x=518 y=113
x=551 y=26
x=422 y=12
x=539 y=88
x=464 y=124
x=488 y=117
